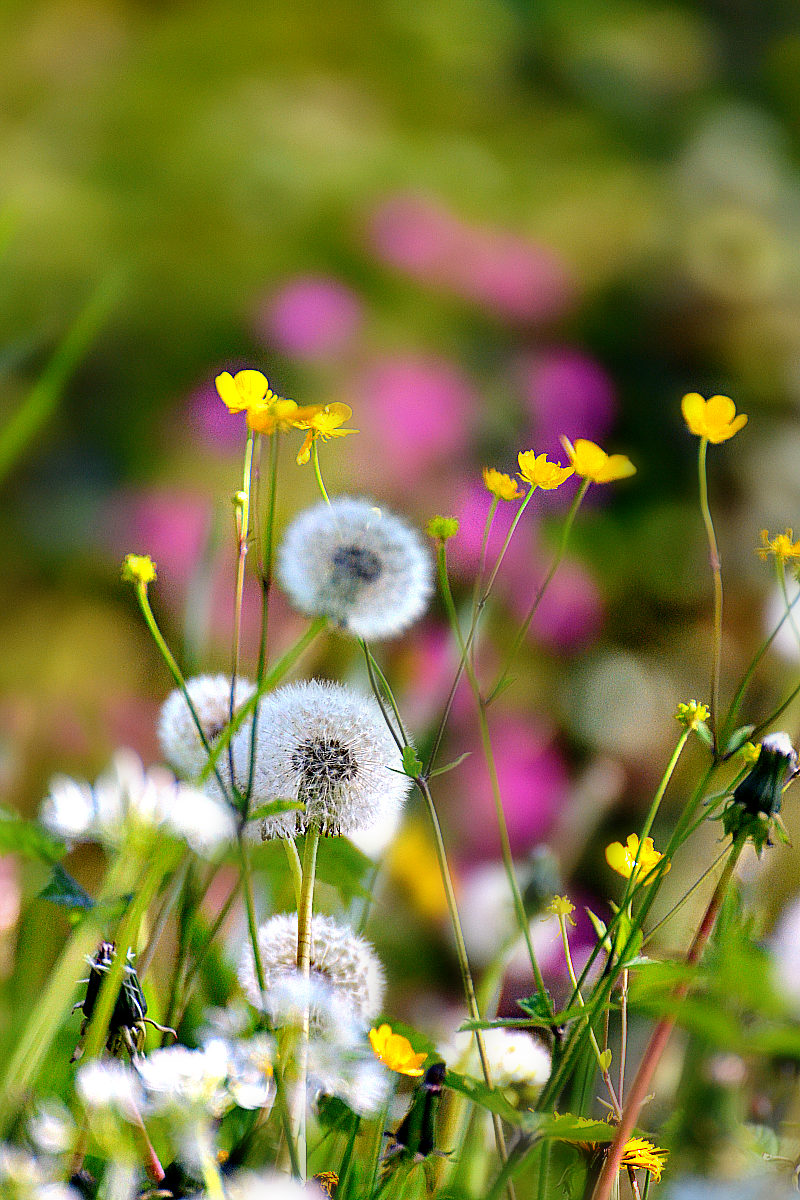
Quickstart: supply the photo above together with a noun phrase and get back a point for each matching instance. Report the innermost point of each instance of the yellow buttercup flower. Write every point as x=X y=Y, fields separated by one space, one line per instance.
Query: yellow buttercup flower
x=622 y=859
x=536 y=470
x=781 y=546
x=692 y=714
x=396 y=1051
x=714 y=419
x=322 y=422
x=500 y=485
x=561 y=906
x=242 y=391
x=274 y=414
x=592 y=463
x=643 y=1155
x=138 y=568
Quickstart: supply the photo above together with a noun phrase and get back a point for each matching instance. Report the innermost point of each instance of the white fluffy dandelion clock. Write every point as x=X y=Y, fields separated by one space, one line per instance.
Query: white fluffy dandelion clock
x=361 y=566
x=177 y=732
x=328 y=746
x=346 y=977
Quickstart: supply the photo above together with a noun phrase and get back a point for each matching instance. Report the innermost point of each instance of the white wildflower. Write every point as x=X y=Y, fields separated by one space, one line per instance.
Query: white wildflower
x=359 y=565
x=189 y=1082
x=108 y=1084
x=520 y=1063
x=339 y=958
x=130 y=801
x=328 y=746
x=177 y=732
x=249 y=1080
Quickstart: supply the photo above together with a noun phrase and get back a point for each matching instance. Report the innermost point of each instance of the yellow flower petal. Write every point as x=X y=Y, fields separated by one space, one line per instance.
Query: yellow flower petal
x=500 y=485
x=242 y=391
x=395 y=1051
x=714 y=419
x=623 y=858
x=591 y=462
x=536 y=470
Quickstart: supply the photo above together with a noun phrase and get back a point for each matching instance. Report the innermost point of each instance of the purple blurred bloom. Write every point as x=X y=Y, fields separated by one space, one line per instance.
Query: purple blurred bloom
x=210 y=422
x=567 y=392
x=464 y=551
x=570 y=614
x=516 y=278
x=171 y=527
x=312 y=316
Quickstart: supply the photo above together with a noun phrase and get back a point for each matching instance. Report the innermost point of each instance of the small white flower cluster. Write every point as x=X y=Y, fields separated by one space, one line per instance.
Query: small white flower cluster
x=357 y=564
x=131 y=801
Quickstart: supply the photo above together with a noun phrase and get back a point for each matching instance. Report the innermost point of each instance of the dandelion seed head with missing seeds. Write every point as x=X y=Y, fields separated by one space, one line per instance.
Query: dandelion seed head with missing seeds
x=361 y=566
x=328 y=746
x=177 y=733
x=347 y=981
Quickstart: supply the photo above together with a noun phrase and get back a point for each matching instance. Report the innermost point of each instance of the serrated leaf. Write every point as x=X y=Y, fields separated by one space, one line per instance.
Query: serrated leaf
x=567 y=1128
x=538 y=1005
x=411 y=763
x=451 y=766
x=18 y=836
x=62 y=889
x=274 y=808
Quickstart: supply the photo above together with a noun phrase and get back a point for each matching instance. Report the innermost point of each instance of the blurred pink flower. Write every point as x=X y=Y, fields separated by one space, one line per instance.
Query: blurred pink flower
x=516 y=278
x=413 y=413
x=312 y=316
x=464 y=551
x=567 y=392
x=533 y=785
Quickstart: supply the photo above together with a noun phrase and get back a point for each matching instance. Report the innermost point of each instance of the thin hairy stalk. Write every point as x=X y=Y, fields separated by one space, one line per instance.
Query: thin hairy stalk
x=716 y=570
x=304 y=919
x=463 y=960
x=375 y=674
x=295 y=868
x=502 y=678
x=658 y=1041
x=748 y=675
x=270 y=680
x=623 y=1035
x=265 y=571
x=491 y=766
x=242 y=517
x=601 y=1061
x=318 y=472
x=177 y=675
x=168 y=903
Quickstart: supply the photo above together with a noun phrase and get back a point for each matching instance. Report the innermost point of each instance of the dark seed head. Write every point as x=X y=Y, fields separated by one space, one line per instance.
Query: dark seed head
x=356 y=562
x=322 y=762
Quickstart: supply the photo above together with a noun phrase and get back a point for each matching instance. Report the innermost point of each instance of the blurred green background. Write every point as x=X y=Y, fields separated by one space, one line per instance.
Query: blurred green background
x=481 y=224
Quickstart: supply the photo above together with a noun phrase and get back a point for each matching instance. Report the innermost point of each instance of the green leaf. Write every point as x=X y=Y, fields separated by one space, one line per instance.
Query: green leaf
x=18 y=836
x=274 y=808
x=567 y=1128
x=705 y=735
x=537 y=1005
x=62 y=889
x=738 y=739
x=345 y=867
x=411 y=763
x=604 y=1060
x=491 y=1099
x=451 y=766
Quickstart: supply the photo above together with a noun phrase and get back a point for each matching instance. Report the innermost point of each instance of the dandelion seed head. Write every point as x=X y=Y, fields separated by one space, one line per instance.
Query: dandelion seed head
x=190 y=1081
x=177 y=733
x=361 y=566
x=327 y=746
x=346 y=977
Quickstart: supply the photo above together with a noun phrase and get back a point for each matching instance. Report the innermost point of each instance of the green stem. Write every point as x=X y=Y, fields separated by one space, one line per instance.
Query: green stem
x=661 y=1034
x=375 y=673
x=562 y=923
x=295 y=868
x=177 y=675
x=265 y=573
x=502 y=678
x=318 y=472
x=463 y=960
x=242 y=511
x=748 y=675
x=304 y=921
x=491 y=766
x=716 y=570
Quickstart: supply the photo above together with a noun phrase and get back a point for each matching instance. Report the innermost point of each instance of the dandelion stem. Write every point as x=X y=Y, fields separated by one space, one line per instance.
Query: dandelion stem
x=463 y=960
x=304 y=919
x=716 y=570
x=265 y=574
x=661 y=1034
x=375 y=673
x=502 y=678
x=295 y=867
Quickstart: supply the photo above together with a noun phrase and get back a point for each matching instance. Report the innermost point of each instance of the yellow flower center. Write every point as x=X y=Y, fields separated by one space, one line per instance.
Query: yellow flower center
x=536 y=470
x=781 y=546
